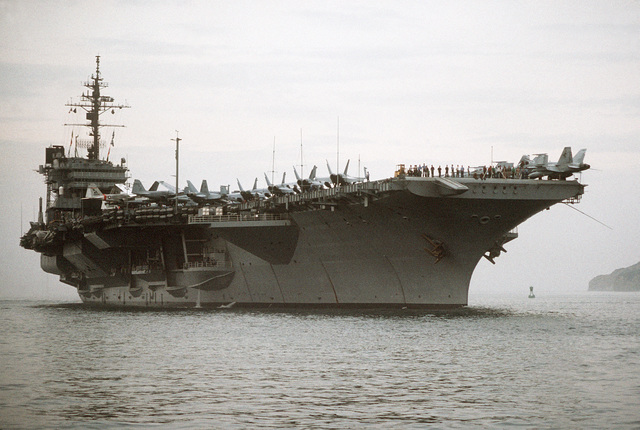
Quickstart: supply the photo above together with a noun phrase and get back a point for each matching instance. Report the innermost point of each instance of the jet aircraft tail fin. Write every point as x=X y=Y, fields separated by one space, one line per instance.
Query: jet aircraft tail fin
x=329 y=168
x=138 y=188
x=565 y=157
x=269 y=184
x=298 y=178
x=524 y=161
x=191 y=187
x=93 y=192
x=204 y=188
x=540 y=160
x=579 y=158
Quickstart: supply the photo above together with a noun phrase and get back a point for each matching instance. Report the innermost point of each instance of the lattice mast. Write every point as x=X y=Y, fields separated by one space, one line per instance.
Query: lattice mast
x=95 y=105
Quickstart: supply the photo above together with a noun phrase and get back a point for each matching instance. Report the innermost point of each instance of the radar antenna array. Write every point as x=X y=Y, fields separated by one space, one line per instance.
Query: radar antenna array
x=95 y=105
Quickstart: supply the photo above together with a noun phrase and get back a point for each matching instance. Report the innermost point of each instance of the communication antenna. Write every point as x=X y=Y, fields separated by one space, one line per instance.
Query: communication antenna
x=338 y=153
x=301 y=165
x=177 y=140
x=273 y=160
x=94 y=104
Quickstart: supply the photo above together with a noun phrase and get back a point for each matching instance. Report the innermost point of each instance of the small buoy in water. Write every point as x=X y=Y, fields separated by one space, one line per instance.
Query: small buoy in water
x=531 y=295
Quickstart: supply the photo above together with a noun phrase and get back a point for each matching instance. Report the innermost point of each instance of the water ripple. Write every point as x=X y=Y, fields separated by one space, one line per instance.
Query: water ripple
x=541 y=364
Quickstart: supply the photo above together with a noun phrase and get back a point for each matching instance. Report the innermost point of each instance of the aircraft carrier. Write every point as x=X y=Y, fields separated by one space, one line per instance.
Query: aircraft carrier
x=405 y=241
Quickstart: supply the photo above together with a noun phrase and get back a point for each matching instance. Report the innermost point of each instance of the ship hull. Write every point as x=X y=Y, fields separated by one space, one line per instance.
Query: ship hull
x=377 y=253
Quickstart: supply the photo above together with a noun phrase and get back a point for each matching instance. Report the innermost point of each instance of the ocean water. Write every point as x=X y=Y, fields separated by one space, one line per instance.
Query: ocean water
x=550 y=362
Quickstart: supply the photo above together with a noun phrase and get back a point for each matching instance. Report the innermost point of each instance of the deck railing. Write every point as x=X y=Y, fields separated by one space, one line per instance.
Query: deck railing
x=206 y=219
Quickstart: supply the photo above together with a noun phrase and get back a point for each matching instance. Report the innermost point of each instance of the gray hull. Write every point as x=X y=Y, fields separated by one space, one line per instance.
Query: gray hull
x=365 y=251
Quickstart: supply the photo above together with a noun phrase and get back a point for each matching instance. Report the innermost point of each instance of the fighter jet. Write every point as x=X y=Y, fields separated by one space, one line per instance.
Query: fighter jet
x=122 y=194
x=255 y=193
x=261 y=193
x=158 y=195
x=354 y=179
x=344 y=178
x=182 y=197
x=308 y=184
x=234 y=197
x=204 y=195
x=153 y=193
x=279 y=189
x=565 y=167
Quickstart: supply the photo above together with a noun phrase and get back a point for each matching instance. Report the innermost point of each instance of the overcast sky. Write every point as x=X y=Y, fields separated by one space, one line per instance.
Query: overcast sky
x=410 y=81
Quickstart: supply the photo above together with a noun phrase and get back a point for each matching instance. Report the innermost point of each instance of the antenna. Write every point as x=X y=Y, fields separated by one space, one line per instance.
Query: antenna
x=94 y=104
x=273 y=159
x=301 y=165
x=338 y=153
x=177 y=140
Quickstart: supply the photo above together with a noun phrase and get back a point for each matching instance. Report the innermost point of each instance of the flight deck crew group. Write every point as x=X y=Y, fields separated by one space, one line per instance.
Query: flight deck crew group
x=425 y=171
x=458 y=171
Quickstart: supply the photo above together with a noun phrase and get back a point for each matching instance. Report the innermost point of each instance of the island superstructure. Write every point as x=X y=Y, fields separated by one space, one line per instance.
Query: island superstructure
x=405 y=241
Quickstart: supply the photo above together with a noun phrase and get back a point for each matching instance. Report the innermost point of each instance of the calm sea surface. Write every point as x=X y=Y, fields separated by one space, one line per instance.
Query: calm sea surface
x=552 y=362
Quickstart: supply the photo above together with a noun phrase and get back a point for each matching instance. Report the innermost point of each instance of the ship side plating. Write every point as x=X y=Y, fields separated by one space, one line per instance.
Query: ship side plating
x=391 y=243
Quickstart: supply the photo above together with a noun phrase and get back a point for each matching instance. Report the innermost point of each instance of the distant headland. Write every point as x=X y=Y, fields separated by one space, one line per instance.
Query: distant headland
x=626 y=279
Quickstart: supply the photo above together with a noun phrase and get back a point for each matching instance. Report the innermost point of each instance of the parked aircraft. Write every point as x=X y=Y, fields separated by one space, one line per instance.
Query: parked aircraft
x=279 y=189
x=182 y=197
x=261 y=193
x=157 y=194
x=308 y=184
x=93 y=192
x=235 y=197
x=354 y=179
x=344 y=178
x=562 y=169
x=204 y=195
x=255 y=193
x=153 y=193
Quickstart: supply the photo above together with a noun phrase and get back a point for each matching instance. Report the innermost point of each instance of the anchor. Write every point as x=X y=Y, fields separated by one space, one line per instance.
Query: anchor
x=494 y=252
x=438 y=251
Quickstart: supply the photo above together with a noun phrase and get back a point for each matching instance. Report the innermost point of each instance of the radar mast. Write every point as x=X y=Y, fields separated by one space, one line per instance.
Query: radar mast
x=95 y=105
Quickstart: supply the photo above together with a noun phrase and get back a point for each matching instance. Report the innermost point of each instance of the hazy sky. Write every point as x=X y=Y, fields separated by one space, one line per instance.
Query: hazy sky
x=410 y=81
